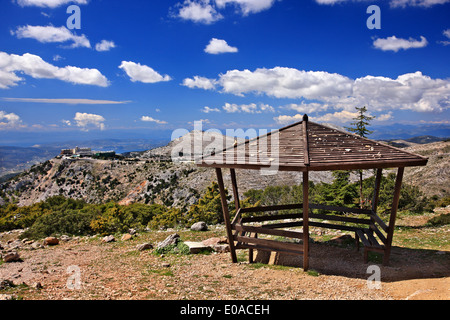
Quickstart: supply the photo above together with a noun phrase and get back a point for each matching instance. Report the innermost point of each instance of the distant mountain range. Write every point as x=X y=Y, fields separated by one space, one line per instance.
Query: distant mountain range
x=16 y=159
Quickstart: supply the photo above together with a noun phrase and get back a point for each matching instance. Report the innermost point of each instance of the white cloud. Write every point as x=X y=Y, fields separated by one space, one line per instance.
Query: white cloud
x=395 y=44
x=35 y=67
x=446 y=33
x=416 y=3
x=217 y=46
x=207 y=109
x=105 y=45
x=50 y=34
x=150 y=119
x=284 y=119
x=87 y=120
x=199 y=11
x=306 y=107
x=142 y=73
x=282 y=82
x=393 y=3
x=247 y=108
x=411 y=91
x=9 y=120
x=49 y=3
x=341 y=117
x=199 y=82
x=247 y=6
x=64 y=101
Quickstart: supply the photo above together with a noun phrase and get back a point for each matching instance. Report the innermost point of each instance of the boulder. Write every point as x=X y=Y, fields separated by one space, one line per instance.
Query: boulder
x=109 y=238
x=36 y=245
x=196 y=247
x=199 y=226
x=6 y=284
x=126 y=237
x=217 y=244
x=172 y=239
x=11 y=256
x=144 y=246
x=65 y=238
x=51 y=241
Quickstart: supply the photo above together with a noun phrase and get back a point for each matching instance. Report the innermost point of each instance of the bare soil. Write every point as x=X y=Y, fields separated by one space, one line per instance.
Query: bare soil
x=120 y=272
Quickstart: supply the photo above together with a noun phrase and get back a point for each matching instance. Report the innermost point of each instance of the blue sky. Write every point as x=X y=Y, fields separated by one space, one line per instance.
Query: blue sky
x=143 y=68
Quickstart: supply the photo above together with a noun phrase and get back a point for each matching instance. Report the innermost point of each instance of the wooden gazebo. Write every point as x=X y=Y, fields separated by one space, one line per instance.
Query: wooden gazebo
x=307 y=146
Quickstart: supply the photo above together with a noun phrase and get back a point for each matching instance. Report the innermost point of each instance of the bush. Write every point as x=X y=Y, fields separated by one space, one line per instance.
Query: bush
x=208 y=208
x=72 y=222
x=440 y=220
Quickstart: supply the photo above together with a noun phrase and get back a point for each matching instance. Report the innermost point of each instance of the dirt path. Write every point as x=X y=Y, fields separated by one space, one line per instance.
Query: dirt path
x=118 y=271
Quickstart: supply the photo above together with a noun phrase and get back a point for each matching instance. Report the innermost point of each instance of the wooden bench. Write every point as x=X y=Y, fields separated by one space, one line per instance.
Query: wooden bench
x=373 y=235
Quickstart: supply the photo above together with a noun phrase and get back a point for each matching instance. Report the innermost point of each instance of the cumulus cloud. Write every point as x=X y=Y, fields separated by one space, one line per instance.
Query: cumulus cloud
x=285 y=119
x=446 y=33
x=35 y=67
x=411 y=91
x=87 y=121
x=142 y=73
x=247 y=108
x=247 y=6
x=200 y=82
x=48 y=3
x=105 y=45
x=282 y=82
x=207 y=109
x=48 y=34
x=199 y=11
x=207 y=11
x=395 y=44
x=393 y=3
x=416 y=3
x=216 y=46
x=9 y=120
x=150 y=119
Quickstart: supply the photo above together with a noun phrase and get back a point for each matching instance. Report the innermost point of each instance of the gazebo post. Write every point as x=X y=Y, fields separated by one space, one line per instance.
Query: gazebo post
x=226 y=215
x=305 y=221
x=235 y=189
x=395 y=200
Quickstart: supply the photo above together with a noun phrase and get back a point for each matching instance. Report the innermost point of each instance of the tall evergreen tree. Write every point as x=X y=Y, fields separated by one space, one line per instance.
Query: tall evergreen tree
x=359 y=127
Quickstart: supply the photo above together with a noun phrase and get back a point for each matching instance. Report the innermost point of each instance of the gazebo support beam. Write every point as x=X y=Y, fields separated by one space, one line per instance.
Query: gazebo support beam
x=226 y=214
x=305 y=221
x=395 y=200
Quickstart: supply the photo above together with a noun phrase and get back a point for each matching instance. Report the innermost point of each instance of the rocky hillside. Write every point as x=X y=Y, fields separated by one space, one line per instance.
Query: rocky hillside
x=151 y=177
x=434 y=178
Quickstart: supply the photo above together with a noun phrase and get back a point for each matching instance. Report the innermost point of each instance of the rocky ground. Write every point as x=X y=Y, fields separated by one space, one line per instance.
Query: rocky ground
x=119 y=271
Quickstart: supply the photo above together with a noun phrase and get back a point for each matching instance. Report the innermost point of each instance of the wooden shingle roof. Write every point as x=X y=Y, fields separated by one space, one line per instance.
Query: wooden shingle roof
x=309 y=146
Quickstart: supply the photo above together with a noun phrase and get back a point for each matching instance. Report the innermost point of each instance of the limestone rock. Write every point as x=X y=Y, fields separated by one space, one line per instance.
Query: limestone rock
x=144 y=246
x=126 y=237
x=51 y=241
x=199 y=226
x=109 y=238
x=172 y=239
x=11 y=256
x=196 y=247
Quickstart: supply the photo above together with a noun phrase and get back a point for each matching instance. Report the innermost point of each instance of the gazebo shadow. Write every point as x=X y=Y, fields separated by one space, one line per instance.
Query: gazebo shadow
x=405 y=263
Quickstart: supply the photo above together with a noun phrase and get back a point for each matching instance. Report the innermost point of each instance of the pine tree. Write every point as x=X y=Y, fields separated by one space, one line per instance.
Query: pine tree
x=359 y=126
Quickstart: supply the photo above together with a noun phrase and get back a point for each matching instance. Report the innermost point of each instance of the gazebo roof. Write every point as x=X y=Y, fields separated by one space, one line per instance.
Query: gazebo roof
x=309 y=146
